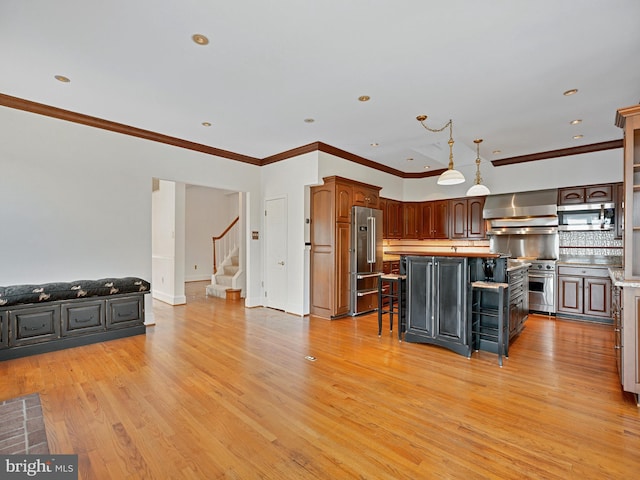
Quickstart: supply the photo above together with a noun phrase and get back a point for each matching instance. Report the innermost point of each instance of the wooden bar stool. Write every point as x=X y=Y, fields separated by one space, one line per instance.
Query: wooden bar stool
x=489 y=318
x=391 y=288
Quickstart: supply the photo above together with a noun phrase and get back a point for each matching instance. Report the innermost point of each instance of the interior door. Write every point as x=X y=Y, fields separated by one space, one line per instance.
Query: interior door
x=275 y=225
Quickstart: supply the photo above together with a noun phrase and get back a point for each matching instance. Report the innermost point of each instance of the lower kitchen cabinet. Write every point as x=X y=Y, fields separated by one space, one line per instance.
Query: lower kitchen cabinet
x=628 y=342
x=518 y=300
x=437 y=310
x=391 y=266
x=584 y=292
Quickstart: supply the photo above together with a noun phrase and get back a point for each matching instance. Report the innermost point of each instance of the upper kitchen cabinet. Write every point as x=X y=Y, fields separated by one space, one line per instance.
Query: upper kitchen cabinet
x=343 y=199
x=393 y=224
x=366 y=196
x=588 y=194
x=330 y=208
x=411 y=220
x=434 y=219
x=382 y=205
x=466 y=218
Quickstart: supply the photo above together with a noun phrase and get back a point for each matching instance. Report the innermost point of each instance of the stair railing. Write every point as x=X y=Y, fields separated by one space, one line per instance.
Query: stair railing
x=227 y=240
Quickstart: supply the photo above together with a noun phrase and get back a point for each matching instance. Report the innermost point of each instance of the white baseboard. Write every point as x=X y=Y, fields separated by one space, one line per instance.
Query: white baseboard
x=170 y=299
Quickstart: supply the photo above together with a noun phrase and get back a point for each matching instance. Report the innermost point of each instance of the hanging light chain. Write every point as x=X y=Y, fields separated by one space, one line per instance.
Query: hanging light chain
x=422 y=118
x=478 y=141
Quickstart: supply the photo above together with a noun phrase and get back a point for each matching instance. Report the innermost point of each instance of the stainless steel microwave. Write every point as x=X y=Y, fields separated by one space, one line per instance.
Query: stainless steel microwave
x=586 y=216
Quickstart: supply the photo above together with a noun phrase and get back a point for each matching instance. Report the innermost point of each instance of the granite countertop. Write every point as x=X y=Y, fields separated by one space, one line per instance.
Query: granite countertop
x=617 y=277
x=443 y=254
x=591 y=260
x=512 y=267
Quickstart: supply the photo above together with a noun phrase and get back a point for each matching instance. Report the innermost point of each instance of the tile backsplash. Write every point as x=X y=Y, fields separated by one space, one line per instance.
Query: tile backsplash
x=590 y=243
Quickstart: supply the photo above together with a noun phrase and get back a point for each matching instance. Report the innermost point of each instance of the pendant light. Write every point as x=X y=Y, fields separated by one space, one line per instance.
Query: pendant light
x=451 y=176
x=478 y=189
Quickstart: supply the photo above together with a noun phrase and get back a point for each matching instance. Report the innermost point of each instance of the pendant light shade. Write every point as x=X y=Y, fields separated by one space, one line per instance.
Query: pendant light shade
x=450 y=177
x=478 y=189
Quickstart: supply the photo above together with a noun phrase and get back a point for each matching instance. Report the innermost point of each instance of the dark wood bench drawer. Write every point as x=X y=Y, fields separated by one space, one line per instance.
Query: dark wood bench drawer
x=34 y=325
x=4 y=330
x=83 y=317
x=125 y=312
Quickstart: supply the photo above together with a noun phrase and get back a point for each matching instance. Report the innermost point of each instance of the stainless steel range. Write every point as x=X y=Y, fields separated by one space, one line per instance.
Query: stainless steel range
x=542 y=286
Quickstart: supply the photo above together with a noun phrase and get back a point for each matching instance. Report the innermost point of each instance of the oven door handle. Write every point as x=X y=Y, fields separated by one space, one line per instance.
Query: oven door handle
x=543 y=275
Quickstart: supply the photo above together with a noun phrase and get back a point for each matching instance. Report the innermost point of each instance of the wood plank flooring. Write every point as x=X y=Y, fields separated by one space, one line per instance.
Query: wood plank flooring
x=215 y=390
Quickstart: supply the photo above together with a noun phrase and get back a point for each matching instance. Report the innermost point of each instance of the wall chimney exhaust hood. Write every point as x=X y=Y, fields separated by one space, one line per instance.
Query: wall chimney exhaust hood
x=539 y=203
x=523 y=213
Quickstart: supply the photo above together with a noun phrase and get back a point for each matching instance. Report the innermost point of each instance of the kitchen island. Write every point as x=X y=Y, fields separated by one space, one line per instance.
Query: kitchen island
x=439 y=295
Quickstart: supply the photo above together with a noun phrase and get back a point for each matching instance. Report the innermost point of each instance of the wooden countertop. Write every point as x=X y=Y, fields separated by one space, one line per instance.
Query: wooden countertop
x=443 y=254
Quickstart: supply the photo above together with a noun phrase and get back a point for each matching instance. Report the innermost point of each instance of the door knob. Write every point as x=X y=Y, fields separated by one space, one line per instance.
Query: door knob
x=280 y=263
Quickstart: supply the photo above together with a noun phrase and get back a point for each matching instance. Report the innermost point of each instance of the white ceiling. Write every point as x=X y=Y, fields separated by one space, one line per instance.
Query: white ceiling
x=498 y=68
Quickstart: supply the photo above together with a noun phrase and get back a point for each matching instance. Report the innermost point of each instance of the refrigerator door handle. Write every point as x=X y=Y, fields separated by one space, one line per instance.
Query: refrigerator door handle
x=360 y=276
x=371 y=239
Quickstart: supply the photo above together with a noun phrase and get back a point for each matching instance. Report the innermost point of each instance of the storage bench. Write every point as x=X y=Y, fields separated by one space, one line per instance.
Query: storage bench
x=42 y=318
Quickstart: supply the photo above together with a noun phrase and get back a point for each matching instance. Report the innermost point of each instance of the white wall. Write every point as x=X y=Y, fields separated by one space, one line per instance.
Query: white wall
x=165 y=222
x=288 y=179
x=588 y=168
x=77 y=200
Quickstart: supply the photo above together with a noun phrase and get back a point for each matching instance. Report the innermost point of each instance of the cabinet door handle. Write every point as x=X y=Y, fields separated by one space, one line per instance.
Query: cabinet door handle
x=85 y=320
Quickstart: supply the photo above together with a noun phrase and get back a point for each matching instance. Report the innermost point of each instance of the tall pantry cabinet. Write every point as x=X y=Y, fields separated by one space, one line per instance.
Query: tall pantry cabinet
x=627 y=327
x=330 y=211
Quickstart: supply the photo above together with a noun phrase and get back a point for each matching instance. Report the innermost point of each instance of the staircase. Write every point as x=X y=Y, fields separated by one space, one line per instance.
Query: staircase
x=227 y=276
x=227 y=273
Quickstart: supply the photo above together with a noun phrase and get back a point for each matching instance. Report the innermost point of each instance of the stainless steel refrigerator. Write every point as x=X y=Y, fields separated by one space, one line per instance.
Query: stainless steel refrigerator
x=366 y=258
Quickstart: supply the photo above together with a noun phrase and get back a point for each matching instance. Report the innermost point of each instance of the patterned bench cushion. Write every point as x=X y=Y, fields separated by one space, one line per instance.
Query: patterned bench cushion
x=49 y=292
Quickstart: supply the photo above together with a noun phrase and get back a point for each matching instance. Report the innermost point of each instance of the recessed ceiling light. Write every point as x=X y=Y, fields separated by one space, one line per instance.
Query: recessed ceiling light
x=426 y=167
x=200 y=39
x=206 y=124
x=409 y=159
x=570 y=92
x=364 y=98
x=497 y=152
x=62 y=78
x=309 y=120
x=577 y=137
x=576 y=121
x=374 y=144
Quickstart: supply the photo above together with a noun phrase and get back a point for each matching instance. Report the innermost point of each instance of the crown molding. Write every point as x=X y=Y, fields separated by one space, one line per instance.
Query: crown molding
x=563 y=152
x=69 y=116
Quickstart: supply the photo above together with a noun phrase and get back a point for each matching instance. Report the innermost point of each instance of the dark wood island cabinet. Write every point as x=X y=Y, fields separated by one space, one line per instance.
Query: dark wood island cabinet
x=437 y=307
x=439 y=300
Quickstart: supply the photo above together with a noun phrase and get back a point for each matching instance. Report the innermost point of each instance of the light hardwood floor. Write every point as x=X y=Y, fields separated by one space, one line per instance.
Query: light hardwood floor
x=215 y=390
